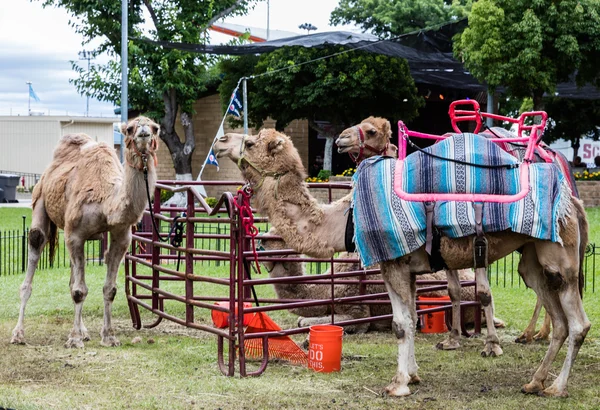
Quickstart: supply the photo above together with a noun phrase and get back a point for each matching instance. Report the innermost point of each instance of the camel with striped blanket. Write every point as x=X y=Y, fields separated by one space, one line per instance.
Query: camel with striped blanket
x=273 y=168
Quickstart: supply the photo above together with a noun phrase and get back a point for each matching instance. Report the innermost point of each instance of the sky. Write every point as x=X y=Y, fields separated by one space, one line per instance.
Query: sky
x=37 y=45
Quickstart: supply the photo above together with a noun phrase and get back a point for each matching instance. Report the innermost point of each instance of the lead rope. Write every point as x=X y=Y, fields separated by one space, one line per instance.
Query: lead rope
x=247 y=220
x=176 y=231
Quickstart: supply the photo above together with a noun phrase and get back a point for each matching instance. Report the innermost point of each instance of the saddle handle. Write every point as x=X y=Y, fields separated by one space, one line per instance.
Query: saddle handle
x=458 y=115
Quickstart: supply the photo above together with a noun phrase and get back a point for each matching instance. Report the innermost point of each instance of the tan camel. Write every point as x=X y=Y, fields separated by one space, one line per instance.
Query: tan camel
x=86 y=191
x=316 y=315
x=376 y=133
x=273 y=168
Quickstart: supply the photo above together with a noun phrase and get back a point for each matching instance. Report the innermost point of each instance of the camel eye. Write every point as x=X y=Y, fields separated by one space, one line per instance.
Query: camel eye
x=249 y=144
x=371 y=131
x=223 y=138
x=154 y=129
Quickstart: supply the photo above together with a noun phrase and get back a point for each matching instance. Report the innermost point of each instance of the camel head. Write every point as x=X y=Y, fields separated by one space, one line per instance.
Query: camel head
x=370 y=137
x=269 y=153
x=230 y=145
x=141 y=138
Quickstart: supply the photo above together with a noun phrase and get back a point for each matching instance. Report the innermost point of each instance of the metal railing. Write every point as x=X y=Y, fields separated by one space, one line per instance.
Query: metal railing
x=27 y=180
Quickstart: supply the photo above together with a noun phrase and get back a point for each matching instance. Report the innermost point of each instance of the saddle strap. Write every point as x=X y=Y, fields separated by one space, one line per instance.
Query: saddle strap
x=480 y=243
x=349 y=235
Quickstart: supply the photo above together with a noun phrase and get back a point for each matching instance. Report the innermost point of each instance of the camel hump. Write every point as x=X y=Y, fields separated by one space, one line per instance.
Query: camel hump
x=70 y=145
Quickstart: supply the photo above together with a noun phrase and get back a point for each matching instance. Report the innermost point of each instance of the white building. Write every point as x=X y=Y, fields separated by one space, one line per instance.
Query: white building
x=27 y=142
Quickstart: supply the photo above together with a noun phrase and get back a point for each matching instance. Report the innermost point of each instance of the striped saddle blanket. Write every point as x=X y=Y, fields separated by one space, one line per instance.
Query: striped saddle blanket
x=387 y=227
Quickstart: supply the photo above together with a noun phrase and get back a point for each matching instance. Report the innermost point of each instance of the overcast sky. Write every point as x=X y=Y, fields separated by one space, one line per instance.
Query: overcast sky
x=37 y=44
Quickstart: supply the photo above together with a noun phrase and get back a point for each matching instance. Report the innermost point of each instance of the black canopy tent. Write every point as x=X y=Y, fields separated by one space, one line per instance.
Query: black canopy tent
x=428 y=53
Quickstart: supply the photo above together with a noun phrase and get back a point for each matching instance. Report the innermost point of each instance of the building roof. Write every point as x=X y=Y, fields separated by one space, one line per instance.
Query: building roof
x=257 y=35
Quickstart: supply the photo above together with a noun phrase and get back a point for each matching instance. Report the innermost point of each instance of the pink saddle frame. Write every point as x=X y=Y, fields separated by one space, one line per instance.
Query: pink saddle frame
x=459 y=115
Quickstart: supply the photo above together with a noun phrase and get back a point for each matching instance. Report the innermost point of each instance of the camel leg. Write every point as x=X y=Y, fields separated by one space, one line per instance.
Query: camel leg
x=527 y=335
x=533 y=274
x=561 y=284
x=363 y=312
x=452 y=341
x=578 y=327
x=38 y=237
x=119 y=242
x=544 y=332
x=78 y=287
x=397 y=278
x=492 y=343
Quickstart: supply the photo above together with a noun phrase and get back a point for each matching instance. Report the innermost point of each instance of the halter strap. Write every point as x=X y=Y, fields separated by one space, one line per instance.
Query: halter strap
x=362 y=146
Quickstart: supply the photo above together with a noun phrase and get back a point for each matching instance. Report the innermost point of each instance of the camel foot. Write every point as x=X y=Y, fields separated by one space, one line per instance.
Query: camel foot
x=498 y=323
x=491 y=350
x=74 y=343
x=533 y=387
x=539 y=336
x=18 y=337
x=448 y=344
x=552 y=392
x=414 y=379
x=525 y=338
x=110 y=341
x=397 y=390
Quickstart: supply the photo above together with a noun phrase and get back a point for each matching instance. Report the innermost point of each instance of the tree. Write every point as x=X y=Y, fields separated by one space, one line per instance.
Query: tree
x=391 y=18
x=328 y=84
x=162 y=82
x=571 y=120
x=530 y=46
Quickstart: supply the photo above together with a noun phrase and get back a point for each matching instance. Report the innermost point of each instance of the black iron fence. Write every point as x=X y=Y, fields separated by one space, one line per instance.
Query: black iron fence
x=13 y=254
x=27 y=180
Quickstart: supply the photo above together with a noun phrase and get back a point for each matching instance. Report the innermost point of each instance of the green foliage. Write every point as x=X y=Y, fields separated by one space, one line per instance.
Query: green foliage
x=572 y=119
x=531 y=46
x=342 y=89
x=324 y=174
x=154 y=72
x=165 y=195
x=211 y=201
x=390 y=18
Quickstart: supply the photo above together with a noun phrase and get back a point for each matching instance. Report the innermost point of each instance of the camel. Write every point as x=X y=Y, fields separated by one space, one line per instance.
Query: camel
x=375 y=133
x=86 y=191
x=316 y=315
x=273 y=168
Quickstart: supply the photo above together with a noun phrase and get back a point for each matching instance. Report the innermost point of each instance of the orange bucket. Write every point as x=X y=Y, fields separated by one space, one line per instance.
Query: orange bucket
x=433 y=322
x=221 y=319
x=325 y=348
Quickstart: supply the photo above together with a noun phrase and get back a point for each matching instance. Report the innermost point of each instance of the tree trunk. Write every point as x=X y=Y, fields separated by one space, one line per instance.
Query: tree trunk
x=181 y=152
x=328 y=154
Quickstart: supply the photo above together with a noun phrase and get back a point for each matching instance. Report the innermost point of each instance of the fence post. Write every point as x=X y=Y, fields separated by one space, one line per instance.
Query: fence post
x=23 y=243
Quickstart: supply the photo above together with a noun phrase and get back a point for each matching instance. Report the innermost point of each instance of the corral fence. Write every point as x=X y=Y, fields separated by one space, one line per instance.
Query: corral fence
x=214 y=236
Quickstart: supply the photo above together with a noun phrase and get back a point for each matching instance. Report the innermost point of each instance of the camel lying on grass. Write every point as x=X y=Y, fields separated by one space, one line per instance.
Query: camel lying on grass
x=86 y=191
x=273 y=168
x=316 y=315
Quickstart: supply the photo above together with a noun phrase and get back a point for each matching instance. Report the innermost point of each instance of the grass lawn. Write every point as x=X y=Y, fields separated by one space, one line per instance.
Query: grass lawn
x=175 y=368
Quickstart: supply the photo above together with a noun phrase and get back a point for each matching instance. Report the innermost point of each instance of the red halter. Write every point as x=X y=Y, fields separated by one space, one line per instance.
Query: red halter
x=362 y=146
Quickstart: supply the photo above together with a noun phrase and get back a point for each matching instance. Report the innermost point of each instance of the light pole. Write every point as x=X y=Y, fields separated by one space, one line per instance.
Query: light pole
x=87 y=55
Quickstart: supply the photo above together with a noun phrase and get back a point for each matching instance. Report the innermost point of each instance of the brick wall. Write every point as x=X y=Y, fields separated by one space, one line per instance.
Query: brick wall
x=589 y=192
x=206 y=124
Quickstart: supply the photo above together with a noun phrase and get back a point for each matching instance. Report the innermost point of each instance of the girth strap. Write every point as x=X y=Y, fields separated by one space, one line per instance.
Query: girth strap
x=480 y=243
x=429 y=207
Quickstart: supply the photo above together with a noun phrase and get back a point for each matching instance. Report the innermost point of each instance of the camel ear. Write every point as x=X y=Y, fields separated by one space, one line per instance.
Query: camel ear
x=276 y=145
x=124 y=128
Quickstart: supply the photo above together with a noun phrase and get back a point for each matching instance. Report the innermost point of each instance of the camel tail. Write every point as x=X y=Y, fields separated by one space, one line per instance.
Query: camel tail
x=52 y=242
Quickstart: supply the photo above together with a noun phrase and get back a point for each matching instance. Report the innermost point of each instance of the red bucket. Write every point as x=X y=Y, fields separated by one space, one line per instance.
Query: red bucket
x=433 y=322
x=221 y=319
x=325 y=349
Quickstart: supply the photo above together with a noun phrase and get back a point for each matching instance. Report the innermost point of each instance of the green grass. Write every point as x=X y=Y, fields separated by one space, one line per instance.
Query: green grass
x=179 y=369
